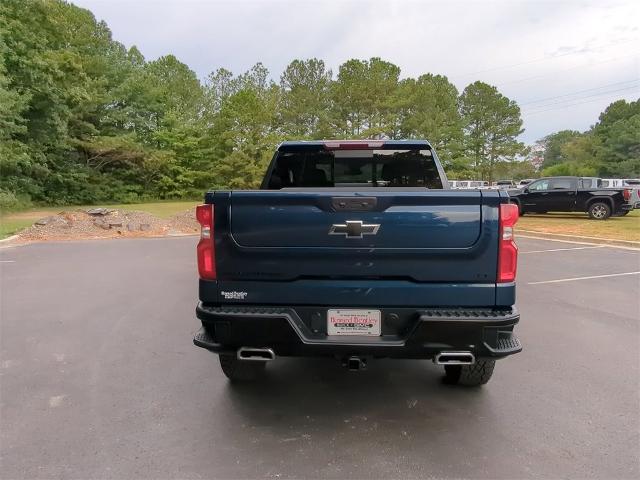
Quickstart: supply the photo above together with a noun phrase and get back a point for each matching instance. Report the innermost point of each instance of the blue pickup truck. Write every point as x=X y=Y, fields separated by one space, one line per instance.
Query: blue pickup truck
x=358 y=250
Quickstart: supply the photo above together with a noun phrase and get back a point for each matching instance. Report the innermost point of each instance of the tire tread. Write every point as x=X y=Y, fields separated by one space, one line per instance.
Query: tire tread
x=470 y=375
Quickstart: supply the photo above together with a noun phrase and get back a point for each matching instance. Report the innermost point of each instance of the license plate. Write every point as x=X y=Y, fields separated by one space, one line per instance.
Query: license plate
x=353 y=322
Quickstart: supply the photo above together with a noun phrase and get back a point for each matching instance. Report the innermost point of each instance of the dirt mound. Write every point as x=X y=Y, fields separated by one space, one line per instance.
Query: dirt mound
x=184 y=222
x=95 y=223
x=108 y=223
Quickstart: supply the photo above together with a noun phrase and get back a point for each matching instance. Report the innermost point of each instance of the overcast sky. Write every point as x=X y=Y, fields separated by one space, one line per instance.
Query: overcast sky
x=564 y=62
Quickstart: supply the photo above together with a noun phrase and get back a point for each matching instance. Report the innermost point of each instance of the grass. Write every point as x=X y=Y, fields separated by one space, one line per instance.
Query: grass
x=579 y=224
x=9 y=226
x=11 y=223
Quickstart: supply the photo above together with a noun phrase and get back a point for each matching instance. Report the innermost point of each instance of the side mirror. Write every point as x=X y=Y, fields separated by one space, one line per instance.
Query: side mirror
x=525 y=190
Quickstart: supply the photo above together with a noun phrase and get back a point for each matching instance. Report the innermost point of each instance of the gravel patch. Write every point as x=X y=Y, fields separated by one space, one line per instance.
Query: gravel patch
x=80 y=224
x=101 y=223
x=184 y=222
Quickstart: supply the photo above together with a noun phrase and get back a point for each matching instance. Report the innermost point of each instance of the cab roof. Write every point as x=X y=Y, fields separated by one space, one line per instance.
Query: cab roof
x=297 y=145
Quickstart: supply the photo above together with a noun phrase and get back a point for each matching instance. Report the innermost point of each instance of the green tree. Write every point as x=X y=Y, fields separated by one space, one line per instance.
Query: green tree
x=429 y=109
x=553 y=146
x=363 y=97
x=305 y=95
x=350 y=99
x=515 y=170
x=243 y=132
x=611 y=148
x=571 y=169
x=618 y=139
x=492 y=124
x=14 y=158
x=219 y=86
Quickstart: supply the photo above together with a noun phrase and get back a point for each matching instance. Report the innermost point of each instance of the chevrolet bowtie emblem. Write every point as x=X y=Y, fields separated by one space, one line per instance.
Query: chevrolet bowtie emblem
x=354 y=229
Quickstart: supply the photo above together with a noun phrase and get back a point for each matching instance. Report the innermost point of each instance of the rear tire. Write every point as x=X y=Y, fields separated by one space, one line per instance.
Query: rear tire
x=240 y=370
x=599 y=211
x=470 y=375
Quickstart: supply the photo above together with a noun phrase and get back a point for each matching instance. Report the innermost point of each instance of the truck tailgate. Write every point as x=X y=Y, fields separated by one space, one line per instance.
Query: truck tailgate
x=365 y=247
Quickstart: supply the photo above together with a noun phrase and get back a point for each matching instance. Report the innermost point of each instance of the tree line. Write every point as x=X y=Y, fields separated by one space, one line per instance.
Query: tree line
x=609 y=149
x=83 y=119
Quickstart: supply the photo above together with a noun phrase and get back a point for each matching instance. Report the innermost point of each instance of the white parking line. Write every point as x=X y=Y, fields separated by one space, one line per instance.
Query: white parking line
x=583 y=278
x=575 y=242
x=564 y=249
x=7 y=261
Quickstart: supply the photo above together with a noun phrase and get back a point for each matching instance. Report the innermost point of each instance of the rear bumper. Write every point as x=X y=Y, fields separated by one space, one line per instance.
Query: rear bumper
x=406 y=333
x=631 y=206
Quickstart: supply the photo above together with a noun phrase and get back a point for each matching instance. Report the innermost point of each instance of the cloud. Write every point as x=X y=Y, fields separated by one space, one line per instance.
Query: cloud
x=529 y=49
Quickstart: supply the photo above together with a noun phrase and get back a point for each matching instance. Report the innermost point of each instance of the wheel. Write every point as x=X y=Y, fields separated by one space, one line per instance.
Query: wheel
x=470 y=375
x=240 y=370
x=599 y=211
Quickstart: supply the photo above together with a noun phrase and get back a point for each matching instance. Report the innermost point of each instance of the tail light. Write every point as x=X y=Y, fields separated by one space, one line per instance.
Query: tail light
x=626 y=193
x=508 y=250
x=206 y=248
x=353 y=144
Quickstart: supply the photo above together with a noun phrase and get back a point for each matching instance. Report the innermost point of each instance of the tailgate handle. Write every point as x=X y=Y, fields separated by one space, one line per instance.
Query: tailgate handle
x=353 y=203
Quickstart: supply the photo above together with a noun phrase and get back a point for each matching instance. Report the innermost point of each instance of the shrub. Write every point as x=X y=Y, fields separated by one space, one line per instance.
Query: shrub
x=9 y=201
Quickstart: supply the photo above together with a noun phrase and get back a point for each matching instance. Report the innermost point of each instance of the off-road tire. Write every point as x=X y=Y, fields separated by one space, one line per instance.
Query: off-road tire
x=240 y=370
x=470 y=375
x=599 y=211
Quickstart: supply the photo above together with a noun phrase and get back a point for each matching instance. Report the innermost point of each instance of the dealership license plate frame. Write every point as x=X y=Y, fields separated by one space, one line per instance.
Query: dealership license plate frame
x=354 y=321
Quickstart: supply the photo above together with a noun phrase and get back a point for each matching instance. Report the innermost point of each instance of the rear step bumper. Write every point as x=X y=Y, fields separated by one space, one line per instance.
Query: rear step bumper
x=483 y=332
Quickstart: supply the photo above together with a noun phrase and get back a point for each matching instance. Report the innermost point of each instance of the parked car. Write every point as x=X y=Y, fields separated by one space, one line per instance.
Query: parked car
x=324 y=261
x=525 y=181
x=471 y=184
x=505 y=184
x=571 y=194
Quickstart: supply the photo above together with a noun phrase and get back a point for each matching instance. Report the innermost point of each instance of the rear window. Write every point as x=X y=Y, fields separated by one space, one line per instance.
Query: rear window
x=355 y=168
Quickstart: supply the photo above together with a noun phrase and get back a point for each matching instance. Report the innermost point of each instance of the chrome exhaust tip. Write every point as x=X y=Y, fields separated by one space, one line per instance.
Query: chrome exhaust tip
x=256 y=354
x=454 y=358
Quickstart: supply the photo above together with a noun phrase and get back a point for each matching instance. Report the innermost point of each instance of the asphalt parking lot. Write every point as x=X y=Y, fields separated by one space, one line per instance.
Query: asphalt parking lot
x=99 y=379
